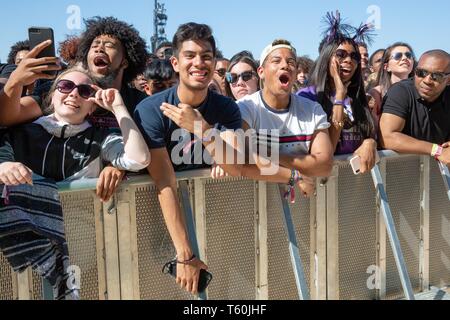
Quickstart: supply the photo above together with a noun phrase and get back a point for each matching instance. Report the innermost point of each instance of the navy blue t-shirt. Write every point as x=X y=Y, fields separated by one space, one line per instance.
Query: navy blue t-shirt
x=159 y=131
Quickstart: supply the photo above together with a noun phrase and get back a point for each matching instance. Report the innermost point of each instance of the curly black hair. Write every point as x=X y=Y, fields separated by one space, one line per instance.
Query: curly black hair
x=18 y=46
x=135 y=46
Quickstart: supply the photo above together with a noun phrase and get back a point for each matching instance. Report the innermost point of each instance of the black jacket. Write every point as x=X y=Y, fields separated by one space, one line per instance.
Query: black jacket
x=48 y=155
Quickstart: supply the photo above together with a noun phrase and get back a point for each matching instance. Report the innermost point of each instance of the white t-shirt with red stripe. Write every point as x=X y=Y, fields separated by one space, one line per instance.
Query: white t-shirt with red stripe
x=294 y=127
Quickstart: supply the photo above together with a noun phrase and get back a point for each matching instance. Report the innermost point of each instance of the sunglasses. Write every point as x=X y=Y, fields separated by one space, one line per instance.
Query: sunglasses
x=343 y=54
x=397 y=56
x=67 y=86
x=232 y=78
x=435 y=76
x=221 y=72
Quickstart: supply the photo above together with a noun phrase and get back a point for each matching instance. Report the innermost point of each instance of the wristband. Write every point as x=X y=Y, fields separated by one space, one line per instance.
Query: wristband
x=438 y=152
x=188 y=261
x=290 y=187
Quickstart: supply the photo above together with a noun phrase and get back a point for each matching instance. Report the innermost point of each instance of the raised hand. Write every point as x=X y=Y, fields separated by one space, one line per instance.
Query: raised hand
x=335 y=72
x=31 y=68
x=107 y=98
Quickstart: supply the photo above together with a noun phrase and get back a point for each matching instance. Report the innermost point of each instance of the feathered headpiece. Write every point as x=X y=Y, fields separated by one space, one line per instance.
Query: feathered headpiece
x=336 y=31
x=364 y=34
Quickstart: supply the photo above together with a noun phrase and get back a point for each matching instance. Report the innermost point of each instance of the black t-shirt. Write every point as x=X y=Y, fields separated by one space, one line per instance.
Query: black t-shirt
x=131 y=97
x=6 y=70
x=424 y=121
x=159 y=131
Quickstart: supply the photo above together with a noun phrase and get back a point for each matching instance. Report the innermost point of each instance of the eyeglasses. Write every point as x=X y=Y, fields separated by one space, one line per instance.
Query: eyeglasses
x=67 y=86
x=221 y=72
x=397 y=56
x=435 y=76
x=343 y=54
x=232 y=78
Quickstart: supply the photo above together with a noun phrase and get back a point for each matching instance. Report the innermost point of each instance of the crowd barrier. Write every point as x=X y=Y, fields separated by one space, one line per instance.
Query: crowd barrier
x=120 y=247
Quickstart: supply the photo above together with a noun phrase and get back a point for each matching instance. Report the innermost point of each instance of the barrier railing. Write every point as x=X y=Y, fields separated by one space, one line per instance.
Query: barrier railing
x=121 y=246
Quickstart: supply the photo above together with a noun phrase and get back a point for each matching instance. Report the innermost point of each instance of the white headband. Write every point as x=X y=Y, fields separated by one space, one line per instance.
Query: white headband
x=267 y=50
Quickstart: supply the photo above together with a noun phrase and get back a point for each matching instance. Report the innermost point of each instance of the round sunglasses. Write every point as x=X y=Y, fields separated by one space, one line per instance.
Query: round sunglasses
x=397 y=56
x=67 y=86
x=232 y=78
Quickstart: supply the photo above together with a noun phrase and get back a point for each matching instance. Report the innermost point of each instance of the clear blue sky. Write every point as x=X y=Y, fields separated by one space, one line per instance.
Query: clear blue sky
x=243 y=24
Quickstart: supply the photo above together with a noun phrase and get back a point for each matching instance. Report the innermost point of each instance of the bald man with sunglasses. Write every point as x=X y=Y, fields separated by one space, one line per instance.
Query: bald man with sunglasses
x=416 y=112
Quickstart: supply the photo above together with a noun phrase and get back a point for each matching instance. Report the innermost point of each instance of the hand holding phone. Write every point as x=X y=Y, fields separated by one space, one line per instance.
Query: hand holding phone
x=203 y=281
x=38 y=35
x=355 y=163
x=31 y=68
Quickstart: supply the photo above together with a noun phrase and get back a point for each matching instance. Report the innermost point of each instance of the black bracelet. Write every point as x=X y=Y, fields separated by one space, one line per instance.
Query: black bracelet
x=186 y=261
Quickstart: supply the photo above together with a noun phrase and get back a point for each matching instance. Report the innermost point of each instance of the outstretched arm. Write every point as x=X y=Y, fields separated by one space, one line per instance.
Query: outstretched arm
x=161 y=171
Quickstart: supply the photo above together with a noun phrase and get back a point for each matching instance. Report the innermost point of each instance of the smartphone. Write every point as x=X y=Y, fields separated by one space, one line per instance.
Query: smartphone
x=36 y=35
x=203 y=281
x=355 y=163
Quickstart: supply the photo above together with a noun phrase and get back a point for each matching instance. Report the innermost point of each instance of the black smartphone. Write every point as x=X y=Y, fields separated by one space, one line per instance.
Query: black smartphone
x=203 y=281
x=36 y=35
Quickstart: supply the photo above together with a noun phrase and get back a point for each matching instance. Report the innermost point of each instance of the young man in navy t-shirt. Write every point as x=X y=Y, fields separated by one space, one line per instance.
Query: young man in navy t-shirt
x=188 y=103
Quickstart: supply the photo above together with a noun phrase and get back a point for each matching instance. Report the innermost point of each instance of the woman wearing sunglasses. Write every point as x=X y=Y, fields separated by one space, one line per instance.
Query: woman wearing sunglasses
x=63 y=145
x=242 y=76
x=398 y=64
x=337 y=84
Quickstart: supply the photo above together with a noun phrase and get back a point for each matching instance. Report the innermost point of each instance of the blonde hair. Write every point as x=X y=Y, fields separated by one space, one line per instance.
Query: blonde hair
x=47 y=107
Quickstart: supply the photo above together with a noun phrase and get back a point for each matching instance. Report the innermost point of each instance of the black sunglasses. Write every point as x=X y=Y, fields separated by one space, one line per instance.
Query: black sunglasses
x=232 y=78
x=342 y=54
x=221 y=72
x=397 y=56
x=67 y=86
x=435 y=76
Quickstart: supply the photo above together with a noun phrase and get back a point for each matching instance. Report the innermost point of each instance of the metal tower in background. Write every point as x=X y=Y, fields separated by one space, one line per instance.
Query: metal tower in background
x=159 y=24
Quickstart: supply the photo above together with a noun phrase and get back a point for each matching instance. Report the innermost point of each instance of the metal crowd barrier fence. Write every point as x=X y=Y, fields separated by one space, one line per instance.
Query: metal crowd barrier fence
x=120 y=247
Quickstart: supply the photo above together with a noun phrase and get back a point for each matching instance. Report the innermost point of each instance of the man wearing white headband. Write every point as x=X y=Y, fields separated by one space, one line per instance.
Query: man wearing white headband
x=304 y=143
